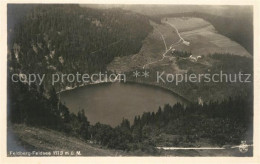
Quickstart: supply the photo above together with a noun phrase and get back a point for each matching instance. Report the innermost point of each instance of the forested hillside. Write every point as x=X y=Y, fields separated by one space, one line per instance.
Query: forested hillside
x=214 y=123
x=68 y=38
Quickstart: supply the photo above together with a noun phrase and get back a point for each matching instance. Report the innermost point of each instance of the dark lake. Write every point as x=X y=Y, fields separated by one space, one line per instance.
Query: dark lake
x=111 y=102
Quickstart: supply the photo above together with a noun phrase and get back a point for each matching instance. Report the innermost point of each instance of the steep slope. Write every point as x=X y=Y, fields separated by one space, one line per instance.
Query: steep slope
x=42 y=139
x=69 y=39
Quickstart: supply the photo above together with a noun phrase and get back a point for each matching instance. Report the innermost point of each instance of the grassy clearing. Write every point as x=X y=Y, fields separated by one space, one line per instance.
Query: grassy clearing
x=152 y=50
x=204 y=39
x=188 y=24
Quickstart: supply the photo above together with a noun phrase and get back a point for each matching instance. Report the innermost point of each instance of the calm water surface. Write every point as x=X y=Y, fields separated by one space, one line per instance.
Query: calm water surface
x=110 y=103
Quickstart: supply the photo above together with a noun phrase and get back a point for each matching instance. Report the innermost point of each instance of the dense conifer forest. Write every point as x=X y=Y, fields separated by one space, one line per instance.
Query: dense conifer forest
x=221 y=123
x=70 y=39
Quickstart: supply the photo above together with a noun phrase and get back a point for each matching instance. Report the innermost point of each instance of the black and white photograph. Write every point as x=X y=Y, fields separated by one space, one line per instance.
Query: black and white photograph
x=129 y=80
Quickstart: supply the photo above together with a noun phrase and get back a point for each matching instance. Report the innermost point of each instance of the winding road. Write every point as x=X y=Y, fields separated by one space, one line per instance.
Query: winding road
x=177 y=31
x=180 y=41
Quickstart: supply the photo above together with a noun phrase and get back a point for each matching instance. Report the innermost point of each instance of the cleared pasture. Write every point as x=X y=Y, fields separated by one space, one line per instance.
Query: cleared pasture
x=204 y=39
x=152 y=49
x=201 y=35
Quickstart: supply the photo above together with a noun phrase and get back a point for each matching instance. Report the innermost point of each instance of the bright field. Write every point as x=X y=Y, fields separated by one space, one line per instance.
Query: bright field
x=202 y=37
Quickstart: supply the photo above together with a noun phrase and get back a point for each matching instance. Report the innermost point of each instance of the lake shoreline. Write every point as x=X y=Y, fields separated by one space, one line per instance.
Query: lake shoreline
x=123 y=100
x=129 y=82
x=161 y=87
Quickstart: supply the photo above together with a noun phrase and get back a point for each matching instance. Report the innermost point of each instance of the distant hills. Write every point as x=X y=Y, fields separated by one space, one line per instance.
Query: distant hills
x=158 y=9
x=235 y=22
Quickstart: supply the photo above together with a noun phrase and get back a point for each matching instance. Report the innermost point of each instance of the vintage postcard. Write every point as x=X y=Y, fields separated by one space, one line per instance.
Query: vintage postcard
x=129 y=79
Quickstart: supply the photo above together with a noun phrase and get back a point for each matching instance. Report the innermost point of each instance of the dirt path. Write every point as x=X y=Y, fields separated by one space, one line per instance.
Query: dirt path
x=164 y=54
x=177 y=31
x=43 y=139
x=181 y=41
x=162 y=38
